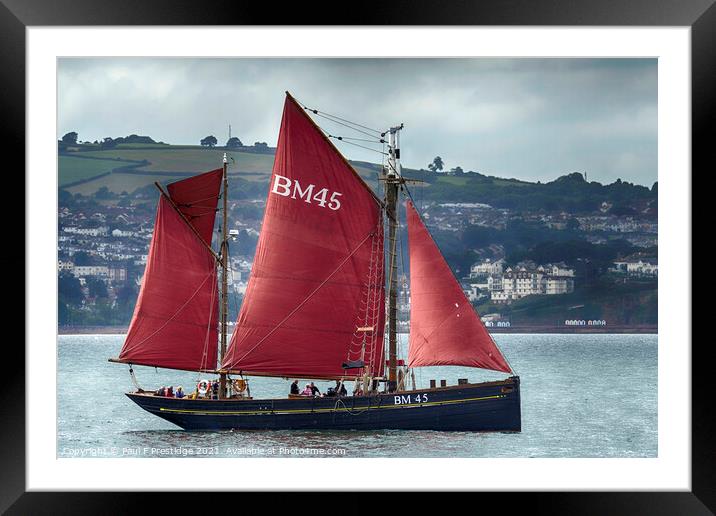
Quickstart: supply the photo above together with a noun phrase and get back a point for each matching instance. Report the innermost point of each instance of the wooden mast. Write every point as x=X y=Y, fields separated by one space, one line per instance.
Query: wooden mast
x=224 y=279
x=392 y=184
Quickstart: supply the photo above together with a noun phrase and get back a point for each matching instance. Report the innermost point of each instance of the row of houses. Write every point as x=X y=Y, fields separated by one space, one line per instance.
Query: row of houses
x=637 y=267
x=504 y=285
x=106 y=272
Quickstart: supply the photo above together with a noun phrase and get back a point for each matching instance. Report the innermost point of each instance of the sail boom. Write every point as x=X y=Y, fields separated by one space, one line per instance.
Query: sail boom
x=139 y=363
x=298 y=376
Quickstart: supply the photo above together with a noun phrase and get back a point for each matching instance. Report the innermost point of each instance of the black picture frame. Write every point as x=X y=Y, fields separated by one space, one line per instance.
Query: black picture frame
x=16 y=15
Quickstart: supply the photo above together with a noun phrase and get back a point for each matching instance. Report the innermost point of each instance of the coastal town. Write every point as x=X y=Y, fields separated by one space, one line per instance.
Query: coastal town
x=103 y=241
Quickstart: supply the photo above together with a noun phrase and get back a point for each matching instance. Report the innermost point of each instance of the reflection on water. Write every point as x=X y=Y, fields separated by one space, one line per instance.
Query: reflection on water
x=582 y=396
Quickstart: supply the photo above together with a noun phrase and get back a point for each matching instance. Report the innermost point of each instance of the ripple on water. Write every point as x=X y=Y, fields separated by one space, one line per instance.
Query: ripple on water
x=582 y=396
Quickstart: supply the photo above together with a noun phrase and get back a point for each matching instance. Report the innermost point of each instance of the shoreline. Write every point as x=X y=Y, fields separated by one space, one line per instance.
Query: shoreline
x=641 y=329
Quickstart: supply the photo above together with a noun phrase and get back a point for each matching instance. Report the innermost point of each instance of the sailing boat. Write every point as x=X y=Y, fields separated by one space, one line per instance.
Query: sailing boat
x=315 y=304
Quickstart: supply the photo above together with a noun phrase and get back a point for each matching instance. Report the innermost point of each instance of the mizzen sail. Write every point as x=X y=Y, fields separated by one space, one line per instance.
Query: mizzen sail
x=315 y=298
x=444 y=327
x=175 y=319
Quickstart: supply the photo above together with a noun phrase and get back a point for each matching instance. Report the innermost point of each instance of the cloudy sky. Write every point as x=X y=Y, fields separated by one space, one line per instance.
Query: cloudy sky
x=531 y=119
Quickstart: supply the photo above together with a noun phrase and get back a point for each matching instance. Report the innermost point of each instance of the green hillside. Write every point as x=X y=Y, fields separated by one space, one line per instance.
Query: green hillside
x=73 y=169
x=130 y=166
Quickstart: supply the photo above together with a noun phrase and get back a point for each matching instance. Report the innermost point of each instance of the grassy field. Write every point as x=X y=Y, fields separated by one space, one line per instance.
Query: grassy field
x=453 y=180
x=188 y=160
x=118 y=183
x=73 y=169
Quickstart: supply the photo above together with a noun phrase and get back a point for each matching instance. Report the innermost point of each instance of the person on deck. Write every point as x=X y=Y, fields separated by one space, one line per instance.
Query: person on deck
x=307 y=391
x=314 y=390
x=215 y=390
x=294 y=388
x=179 y=392
x=341 y=389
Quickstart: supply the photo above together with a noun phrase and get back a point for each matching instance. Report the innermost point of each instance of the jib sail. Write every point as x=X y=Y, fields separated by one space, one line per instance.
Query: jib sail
x=444 y=327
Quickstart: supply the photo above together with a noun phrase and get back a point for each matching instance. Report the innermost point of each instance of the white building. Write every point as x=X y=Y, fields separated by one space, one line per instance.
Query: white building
x=65 y=266
x=95 y=232
x=523 y=281
x=117 y=273
x=119 y=233
x=558 y=285
x=80 y=271
x=637 y=267
x=486 y=267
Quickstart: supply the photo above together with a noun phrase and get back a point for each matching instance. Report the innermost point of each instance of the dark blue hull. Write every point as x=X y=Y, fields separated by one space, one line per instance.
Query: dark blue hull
x=492 y=406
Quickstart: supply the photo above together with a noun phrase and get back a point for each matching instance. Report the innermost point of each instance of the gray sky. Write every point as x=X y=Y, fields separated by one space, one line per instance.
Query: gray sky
x=531 y=119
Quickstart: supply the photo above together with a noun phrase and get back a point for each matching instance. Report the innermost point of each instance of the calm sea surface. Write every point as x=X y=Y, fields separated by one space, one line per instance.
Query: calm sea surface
x=582 y=396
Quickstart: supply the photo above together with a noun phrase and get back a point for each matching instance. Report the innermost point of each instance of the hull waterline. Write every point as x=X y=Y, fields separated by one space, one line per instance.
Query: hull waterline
x=491 y=406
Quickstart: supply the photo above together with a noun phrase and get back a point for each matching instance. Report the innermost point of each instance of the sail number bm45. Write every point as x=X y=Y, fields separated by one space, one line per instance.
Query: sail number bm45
x=291 y=188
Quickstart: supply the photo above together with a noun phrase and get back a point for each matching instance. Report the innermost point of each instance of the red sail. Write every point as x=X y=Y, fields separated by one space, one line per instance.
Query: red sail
x=196 y=198
x=316 y=264
x=444 y=327
x=175 y=320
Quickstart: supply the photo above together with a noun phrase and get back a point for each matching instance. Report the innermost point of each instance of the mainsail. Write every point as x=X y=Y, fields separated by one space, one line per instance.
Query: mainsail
x=175 y=319
x=444 y=327
x=317 y=279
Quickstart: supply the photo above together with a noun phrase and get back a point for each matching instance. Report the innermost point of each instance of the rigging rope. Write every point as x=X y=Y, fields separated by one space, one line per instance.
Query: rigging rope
x=343 y=139
x=359 y=139
x=134 y=379
x=364 y=339
x=337 y=118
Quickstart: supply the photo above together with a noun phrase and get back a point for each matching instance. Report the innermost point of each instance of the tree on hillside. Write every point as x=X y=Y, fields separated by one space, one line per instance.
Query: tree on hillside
x=104 y=193
x=436 y=165
x=127 y=294
x=209 y=141
x=108 y=143
x=97 y=288
x=234 y=142
x=70 y=138
x=261 y=145
x=69 y=289
x=83 y=258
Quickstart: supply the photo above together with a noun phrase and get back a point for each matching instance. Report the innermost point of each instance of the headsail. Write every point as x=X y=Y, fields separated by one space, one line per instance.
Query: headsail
x=175 y=319
x=444 y=327
x=317 y=277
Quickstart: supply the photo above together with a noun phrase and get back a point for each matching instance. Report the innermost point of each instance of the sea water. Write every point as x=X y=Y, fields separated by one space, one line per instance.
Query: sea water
x=582 y=396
